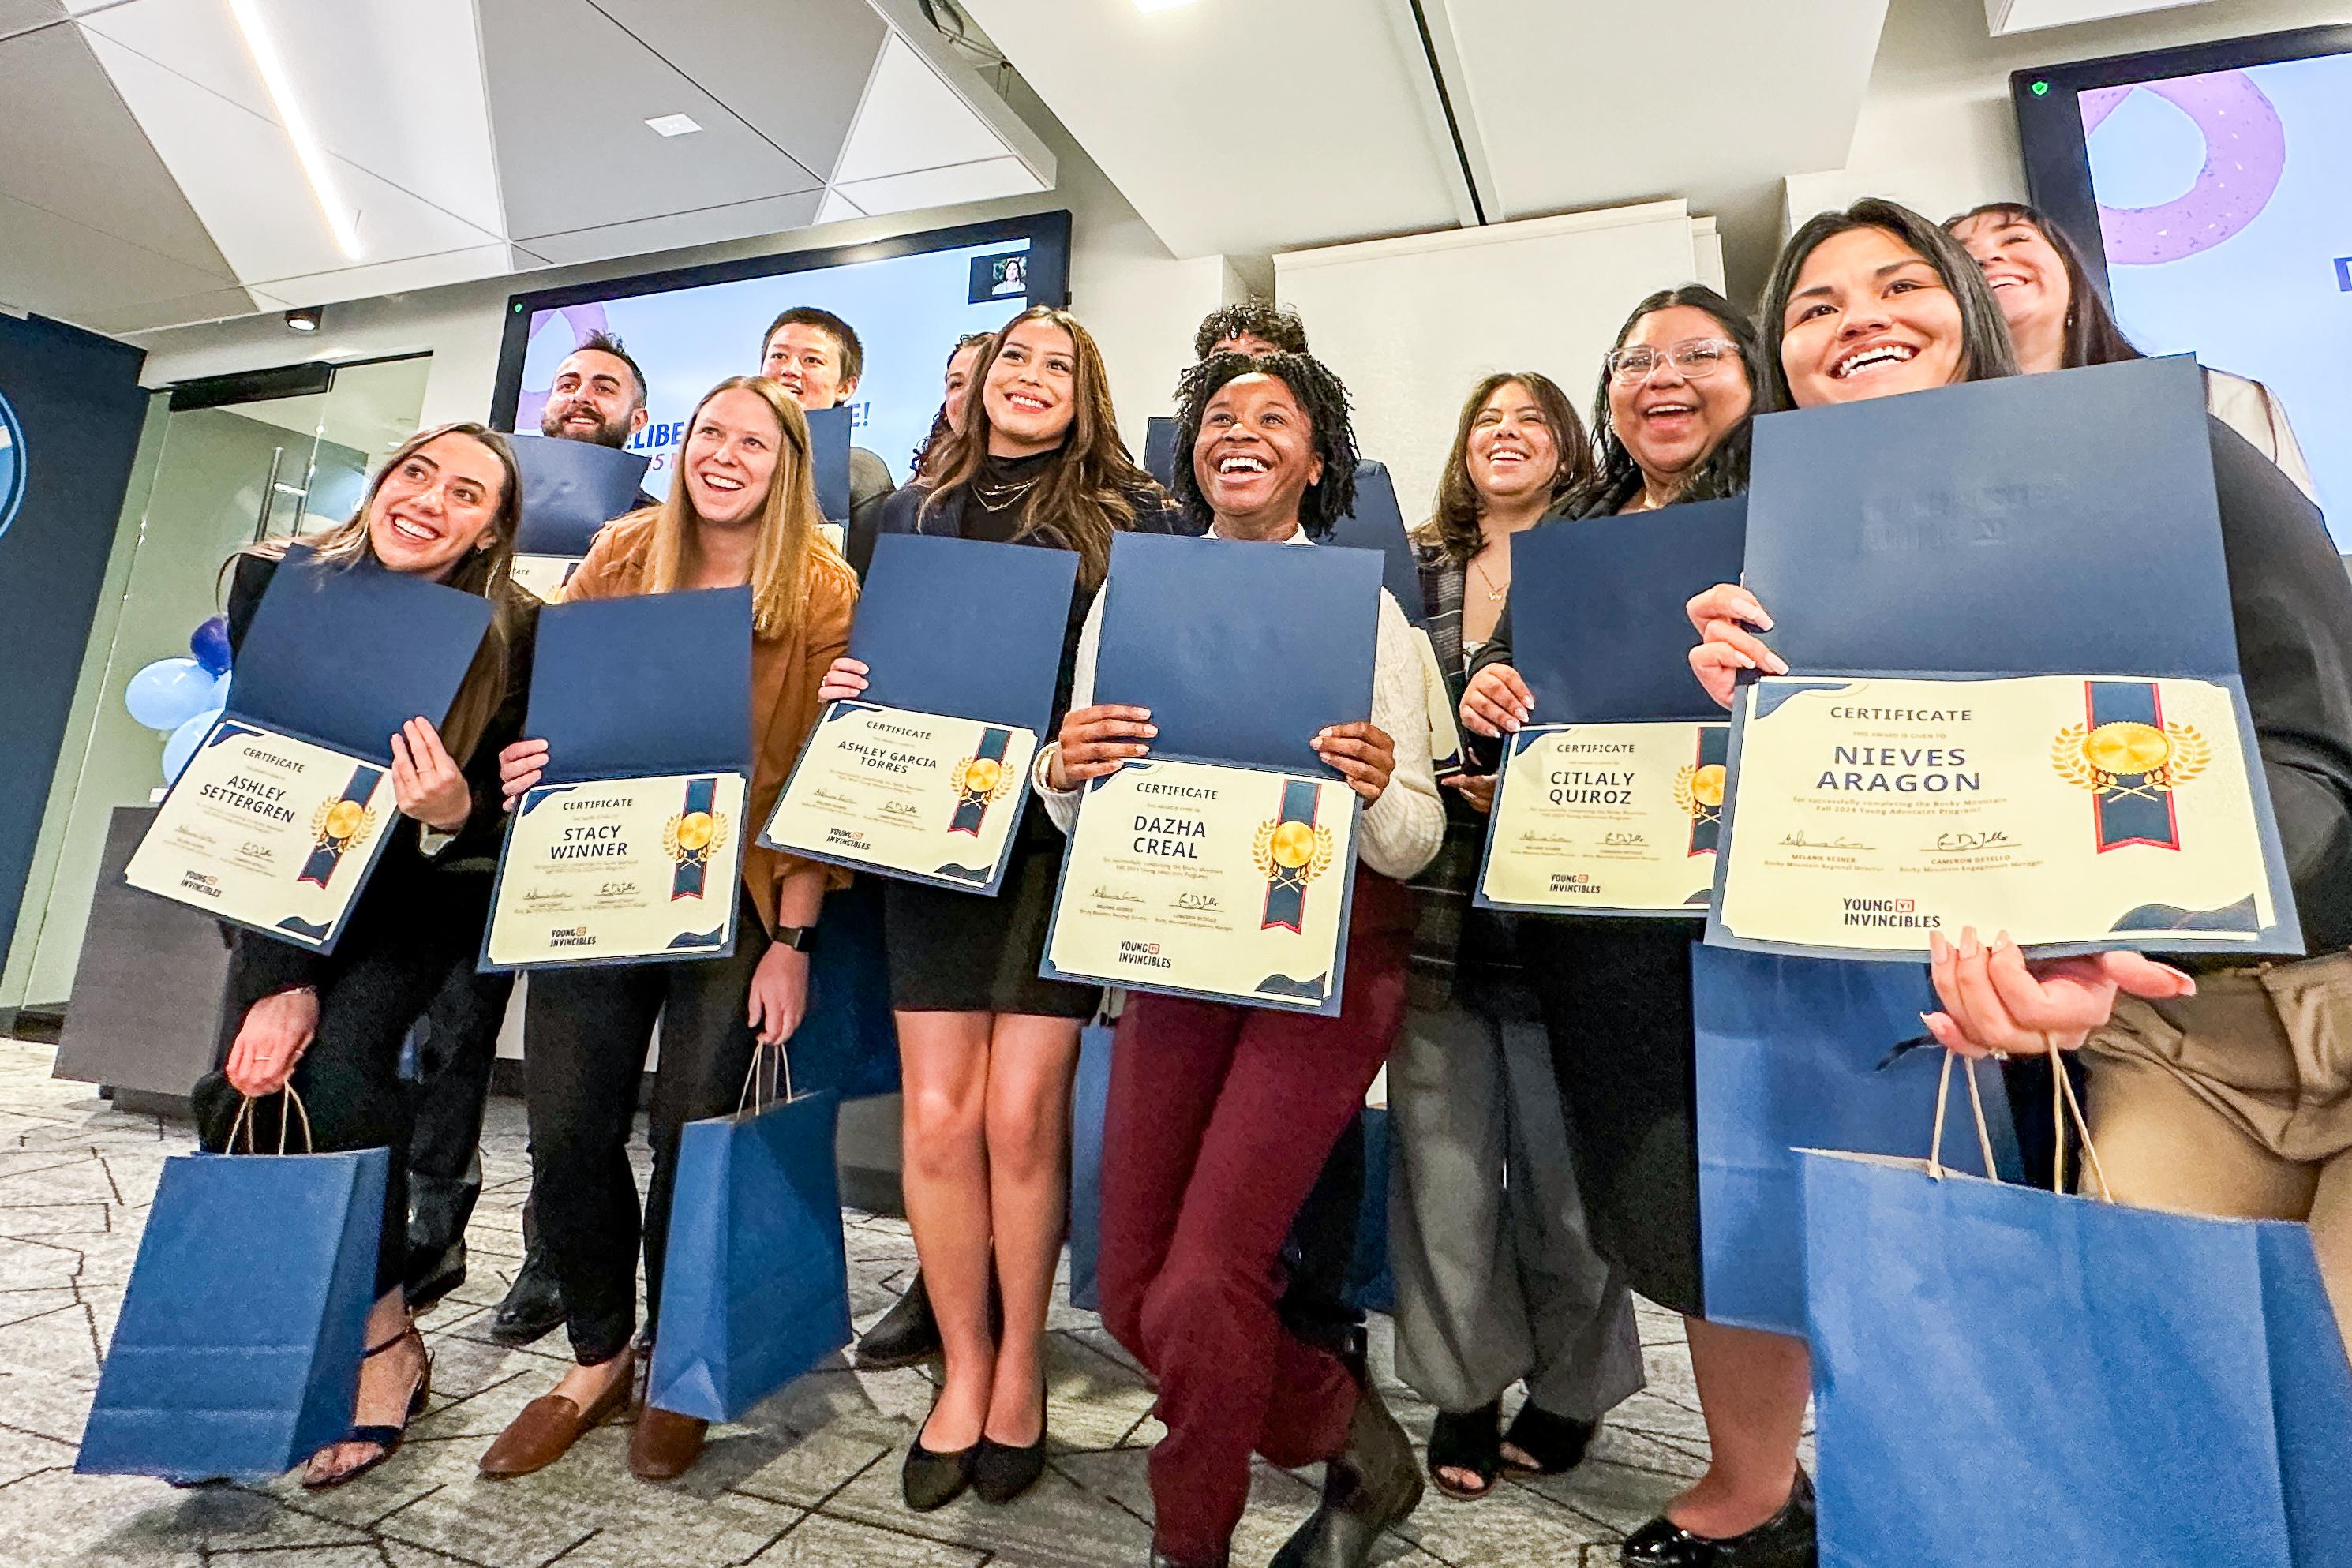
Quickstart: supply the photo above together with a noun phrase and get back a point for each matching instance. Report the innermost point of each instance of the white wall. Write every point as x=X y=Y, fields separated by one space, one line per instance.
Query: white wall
x=1936 y=131
x=1141 y=304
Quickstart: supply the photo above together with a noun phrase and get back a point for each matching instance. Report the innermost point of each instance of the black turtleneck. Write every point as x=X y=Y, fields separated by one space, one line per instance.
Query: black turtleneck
x=997 y=499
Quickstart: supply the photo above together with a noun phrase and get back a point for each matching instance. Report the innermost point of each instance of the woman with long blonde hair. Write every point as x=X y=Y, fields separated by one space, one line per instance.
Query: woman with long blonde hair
x=741 y=511
x=443 y=507
x=986 y=1048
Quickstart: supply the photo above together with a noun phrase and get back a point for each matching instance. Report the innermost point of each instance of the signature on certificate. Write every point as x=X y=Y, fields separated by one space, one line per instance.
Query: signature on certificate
x=1607 y=839
x=1985 y=839
x=1801 y=840
x=1200 y=901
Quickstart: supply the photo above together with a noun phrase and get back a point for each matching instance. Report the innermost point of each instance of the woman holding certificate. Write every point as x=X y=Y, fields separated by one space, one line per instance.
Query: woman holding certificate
x=2221 y=1095
x=1220 y=1115
x=987 y=1049
x=1496 y=1278
x=741 y=511
x=444 y=508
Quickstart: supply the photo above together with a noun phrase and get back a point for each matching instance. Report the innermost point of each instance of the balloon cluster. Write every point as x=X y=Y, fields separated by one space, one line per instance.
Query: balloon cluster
x=184 y=698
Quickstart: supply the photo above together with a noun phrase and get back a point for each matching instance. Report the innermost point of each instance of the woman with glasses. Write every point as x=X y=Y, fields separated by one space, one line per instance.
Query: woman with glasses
x=1496 y=1279
x=1672 y=422
x=2058 y=322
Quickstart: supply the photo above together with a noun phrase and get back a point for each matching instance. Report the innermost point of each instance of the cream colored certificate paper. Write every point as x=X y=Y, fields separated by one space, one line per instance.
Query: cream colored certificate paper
x=544 y=575
x=267 y=831
x=1444 y=736
x=1210 y=881
x=628 y=868
x=2061 y=809
x=1607 y=818
x=913 y=794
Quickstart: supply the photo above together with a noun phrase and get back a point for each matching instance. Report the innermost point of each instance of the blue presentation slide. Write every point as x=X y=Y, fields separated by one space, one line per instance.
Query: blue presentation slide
x=2225 y=204
x=908 y=310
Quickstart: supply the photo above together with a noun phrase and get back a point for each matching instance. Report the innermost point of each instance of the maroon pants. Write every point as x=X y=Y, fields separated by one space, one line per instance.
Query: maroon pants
x=1220 y=1118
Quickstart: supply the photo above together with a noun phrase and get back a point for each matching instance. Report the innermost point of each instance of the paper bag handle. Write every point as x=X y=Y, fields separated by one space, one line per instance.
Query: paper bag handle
x=244 y=1122
x=1976 y=1105
x=779 y=1060
x=2063 y=1106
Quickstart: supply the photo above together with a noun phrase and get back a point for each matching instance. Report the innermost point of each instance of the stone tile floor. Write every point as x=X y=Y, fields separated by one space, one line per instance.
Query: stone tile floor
x=812 y=1482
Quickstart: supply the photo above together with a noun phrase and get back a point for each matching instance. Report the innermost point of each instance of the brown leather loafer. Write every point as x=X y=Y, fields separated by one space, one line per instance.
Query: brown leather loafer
x=546 y=1430
x=665 y=1444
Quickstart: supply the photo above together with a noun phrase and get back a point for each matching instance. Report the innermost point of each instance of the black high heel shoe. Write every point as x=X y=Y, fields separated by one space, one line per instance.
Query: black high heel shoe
x=1556 y=1443
x=1469 y=1441
x=1783 y=1541
x=387 y=1439
x=931 y=1481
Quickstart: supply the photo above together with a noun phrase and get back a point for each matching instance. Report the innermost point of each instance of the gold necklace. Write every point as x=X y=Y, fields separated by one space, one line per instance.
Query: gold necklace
x=1494 y=595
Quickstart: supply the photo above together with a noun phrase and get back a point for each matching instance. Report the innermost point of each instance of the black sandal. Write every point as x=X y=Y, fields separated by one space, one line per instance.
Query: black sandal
x=387 y=1439
x=1470 y=1441
x=1556 y=1443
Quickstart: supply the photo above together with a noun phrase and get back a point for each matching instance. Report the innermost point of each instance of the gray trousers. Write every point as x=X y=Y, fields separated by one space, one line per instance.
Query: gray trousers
x=1495 y=1278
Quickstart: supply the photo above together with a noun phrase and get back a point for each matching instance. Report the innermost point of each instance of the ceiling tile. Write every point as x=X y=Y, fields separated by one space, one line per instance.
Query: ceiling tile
x=977 y=181
x=393 y=277
x=790 y=69
x=838 y=207
x=911 y=120
x=19 y=16
x=76 y=273
x=680 y=229
x=570 y=93
x=180 y=310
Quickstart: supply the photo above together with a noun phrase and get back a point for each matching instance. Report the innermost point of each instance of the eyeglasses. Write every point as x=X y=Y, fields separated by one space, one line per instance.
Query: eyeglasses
x=1696 y=359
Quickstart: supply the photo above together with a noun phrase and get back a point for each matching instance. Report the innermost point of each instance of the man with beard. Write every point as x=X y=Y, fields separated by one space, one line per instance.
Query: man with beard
x=597 y=395
x=814 y=355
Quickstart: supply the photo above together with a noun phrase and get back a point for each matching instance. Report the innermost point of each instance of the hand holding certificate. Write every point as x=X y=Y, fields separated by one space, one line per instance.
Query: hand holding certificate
x=1611 y=803
x=628 y=844
x=279 y=816
x=1223 y=866
x=570 y=490
x=2016 y=702
x=925 y=775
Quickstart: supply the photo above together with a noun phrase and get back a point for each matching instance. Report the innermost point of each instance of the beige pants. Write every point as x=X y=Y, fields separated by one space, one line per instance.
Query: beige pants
x=2237 y=1102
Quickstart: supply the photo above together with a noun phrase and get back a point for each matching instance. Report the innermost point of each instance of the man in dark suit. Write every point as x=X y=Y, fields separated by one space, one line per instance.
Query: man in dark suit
x=815 y=355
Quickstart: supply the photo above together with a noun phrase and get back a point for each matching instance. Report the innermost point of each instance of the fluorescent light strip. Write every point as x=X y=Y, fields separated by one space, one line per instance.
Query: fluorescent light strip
x=313 y=157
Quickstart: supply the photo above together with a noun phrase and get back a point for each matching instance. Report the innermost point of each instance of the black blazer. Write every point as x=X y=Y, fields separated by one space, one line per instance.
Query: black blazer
x=411 y=896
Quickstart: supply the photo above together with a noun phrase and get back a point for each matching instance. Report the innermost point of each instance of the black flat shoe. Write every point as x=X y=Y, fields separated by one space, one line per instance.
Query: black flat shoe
x=534 y=1305
x=1470 y=1440
x=930 y=1481
x=1370 y=1486
x=1556 y=1443
x=906 y=1335
x=1001 y=1472
x=1783 y=1541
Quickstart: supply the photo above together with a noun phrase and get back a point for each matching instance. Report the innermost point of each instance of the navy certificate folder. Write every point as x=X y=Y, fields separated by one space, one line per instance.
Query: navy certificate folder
x=1375 y=522
x=1241 y=651
x=650 y=685
x=1159 y=450
x=1598 y=631
x=315 y=665
x=570 y=489
x=2031 y=525
x=829 y=457
x=965 y=628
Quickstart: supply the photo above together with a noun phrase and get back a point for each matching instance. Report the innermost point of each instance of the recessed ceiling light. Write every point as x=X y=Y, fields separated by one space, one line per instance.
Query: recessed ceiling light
x=674 y=124
x=307 y=320
x=1148 y=6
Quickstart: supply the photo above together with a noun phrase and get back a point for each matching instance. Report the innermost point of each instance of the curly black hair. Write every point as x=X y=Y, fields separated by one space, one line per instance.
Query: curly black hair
x=1321 y=397
x=1257 y=317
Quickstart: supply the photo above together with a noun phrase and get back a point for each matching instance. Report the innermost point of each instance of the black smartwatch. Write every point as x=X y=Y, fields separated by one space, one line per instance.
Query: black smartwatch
x=799 y=938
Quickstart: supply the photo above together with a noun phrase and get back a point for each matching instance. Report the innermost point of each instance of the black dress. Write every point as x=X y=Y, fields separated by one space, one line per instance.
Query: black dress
x=959 y=952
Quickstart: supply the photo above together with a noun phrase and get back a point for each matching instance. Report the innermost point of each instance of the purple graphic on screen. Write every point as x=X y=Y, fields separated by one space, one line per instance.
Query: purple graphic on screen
x=582 y=319
x=2245 y=152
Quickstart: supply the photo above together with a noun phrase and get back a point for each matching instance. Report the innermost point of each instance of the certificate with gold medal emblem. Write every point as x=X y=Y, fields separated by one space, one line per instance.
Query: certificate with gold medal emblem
x=922 y=795
x=1606 y=819
x=2101 y=810
x=925 y=775
x=630 y=847
x=1208 y=880
x=284 y=809
x=2015 y=702
x=620 y=868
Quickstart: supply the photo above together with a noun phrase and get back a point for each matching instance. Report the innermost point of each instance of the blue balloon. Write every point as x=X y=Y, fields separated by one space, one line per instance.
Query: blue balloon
x=168 y=692
x=209 y=644
x=218 y=699
x=184 y=743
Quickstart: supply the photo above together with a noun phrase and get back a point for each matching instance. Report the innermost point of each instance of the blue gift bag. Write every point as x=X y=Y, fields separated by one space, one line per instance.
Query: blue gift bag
x=2009 y=1375
x=1089 y=1104
x=848 y=1043
x=1371 y=1285
x=236 y=1355
x=755 y=1282
x=1789 y=1057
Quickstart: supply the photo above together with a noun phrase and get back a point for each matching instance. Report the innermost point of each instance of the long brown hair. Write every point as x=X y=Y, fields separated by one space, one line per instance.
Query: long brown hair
x=483 y=571
x=2092 y=336
x=1454 y=521
x=1088 y=491
x=789 y=527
